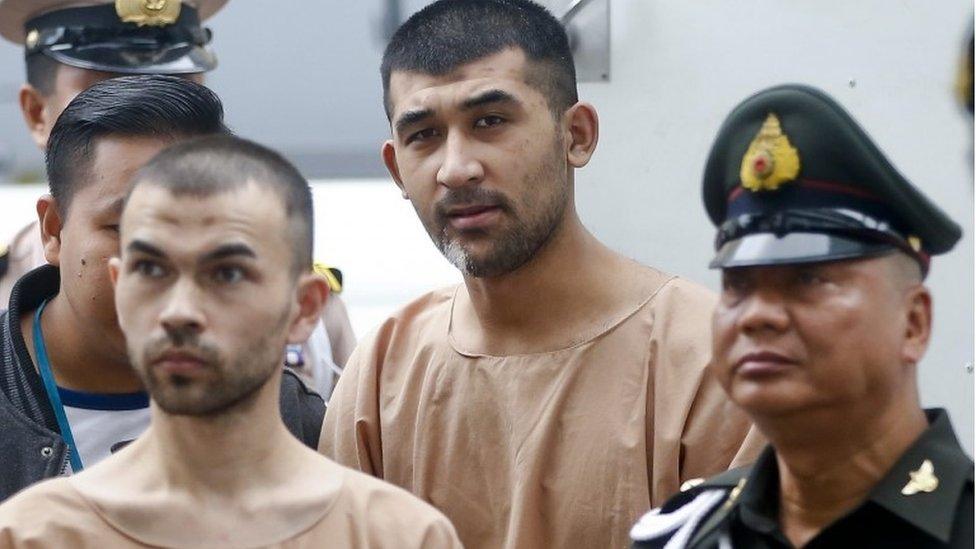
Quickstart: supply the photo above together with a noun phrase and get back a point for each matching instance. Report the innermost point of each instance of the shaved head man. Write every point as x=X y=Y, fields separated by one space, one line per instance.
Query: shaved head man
x=213 y=281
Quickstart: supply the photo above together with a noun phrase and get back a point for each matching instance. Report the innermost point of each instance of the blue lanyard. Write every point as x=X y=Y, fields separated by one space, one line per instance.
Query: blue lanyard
x=52 y=392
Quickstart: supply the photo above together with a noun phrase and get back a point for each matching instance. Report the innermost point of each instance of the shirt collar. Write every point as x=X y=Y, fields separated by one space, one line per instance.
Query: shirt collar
x=759 y=498
x=932 y=512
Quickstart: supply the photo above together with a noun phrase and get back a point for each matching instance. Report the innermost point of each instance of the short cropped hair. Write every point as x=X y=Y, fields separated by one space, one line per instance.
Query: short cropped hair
x=450 y=33
x=164 y=107
x=206 y=166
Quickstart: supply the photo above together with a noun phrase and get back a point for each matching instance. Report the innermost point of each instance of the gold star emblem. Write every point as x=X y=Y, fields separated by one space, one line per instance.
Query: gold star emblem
x=770 y=160
x=153 y=13
x=922 y=480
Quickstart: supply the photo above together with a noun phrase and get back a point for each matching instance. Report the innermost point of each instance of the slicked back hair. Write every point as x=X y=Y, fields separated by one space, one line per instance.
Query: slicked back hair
x=450 y=33
x=155 y=106
x=206 y=166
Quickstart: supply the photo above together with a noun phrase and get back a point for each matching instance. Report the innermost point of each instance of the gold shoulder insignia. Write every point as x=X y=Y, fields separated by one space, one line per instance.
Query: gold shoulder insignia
x=922 y=480
x=770 y=160
x=152 y=13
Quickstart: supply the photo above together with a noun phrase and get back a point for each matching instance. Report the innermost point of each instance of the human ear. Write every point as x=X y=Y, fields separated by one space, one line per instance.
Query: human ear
x=50 y=222
x=583 y=128
x=389 y=159
x=312 y=291
x=33 y=106
x=114 y=265
x=918 y=325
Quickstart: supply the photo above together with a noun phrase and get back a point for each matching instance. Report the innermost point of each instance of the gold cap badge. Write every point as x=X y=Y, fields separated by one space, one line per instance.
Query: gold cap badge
x=922 y=480
x=153 y=13
x=771 y=160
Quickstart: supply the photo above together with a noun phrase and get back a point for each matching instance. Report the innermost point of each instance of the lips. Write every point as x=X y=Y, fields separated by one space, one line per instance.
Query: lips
x=473 y=216
x=762 y=364
x=182 y=363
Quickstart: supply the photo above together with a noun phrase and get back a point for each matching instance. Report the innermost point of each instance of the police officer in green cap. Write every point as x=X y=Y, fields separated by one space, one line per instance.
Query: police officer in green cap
x=822 y=321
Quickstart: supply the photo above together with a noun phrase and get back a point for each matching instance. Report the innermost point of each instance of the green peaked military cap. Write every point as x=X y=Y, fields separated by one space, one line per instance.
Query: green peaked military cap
x=792 y=178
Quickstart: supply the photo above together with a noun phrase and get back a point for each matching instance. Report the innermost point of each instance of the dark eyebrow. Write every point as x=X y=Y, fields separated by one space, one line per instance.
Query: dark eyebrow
x=145 y=247
x=228 y=250
x=489 y=97
x=412 y=117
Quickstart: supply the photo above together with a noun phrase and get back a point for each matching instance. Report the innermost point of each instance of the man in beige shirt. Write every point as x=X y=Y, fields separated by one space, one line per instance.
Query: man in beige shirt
x=562 y=388
x=214 y=280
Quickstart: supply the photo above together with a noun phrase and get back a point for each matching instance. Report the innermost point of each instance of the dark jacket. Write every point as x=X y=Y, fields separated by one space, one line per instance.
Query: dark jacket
x=925 y=500
x=31 y=447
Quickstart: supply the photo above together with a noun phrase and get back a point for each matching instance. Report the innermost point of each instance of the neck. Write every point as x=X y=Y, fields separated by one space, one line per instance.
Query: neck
x=240 y=450
x=233 y=479
x=829 y=461
x=80 y=362
x=570 y=277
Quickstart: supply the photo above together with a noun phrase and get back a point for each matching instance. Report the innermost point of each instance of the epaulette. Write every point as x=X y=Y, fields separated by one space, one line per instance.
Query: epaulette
x=331 y=274
x=691 y=488
x=698 y=507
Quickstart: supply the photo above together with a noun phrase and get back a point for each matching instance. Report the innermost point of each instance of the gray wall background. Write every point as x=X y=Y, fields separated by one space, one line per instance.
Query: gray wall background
x=303 y=77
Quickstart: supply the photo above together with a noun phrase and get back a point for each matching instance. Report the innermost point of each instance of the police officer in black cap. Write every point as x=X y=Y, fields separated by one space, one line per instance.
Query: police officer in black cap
x=822 y=320
x=71 y=44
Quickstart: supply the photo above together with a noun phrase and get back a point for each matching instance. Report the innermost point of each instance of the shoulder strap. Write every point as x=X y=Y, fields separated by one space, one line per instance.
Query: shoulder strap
x=721 y=512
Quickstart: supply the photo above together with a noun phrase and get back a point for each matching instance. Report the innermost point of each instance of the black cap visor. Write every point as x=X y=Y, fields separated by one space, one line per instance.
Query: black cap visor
x=757 y=249
x=128 y=58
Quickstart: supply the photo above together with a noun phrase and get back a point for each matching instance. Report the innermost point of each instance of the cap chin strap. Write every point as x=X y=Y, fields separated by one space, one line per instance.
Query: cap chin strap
x=839 y=221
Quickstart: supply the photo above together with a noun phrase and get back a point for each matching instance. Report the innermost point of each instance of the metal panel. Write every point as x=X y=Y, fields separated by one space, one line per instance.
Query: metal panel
x=588 y=25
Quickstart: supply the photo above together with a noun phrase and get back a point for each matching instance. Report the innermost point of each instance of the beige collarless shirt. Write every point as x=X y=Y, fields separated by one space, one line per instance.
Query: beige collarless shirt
x=360 y=512
x=556 y=449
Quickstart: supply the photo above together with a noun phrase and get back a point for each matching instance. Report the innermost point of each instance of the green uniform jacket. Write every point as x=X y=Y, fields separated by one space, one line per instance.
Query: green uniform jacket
x=925 y=500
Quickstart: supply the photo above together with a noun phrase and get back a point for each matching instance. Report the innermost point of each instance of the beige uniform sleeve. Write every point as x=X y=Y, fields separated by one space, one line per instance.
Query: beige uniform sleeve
x=694 y=430
x=351 y=430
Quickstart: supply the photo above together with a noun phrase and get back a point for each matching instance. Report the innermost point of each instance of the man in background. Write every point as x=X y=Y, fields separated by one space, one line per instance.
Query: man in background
x=70 y=395
x=70 y=45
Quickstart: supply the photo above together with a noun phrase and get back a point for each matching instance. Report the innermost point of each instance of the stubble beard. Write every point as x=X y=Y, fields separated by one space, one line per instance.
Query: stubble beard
x=519 y=243
x=231 y=386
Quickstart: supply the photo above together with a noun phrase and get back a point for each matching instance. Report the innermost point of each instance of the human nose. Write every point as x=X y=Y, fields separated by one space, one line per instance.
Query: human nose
x=763 y=310
x=182 y=316
x=459 y=165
